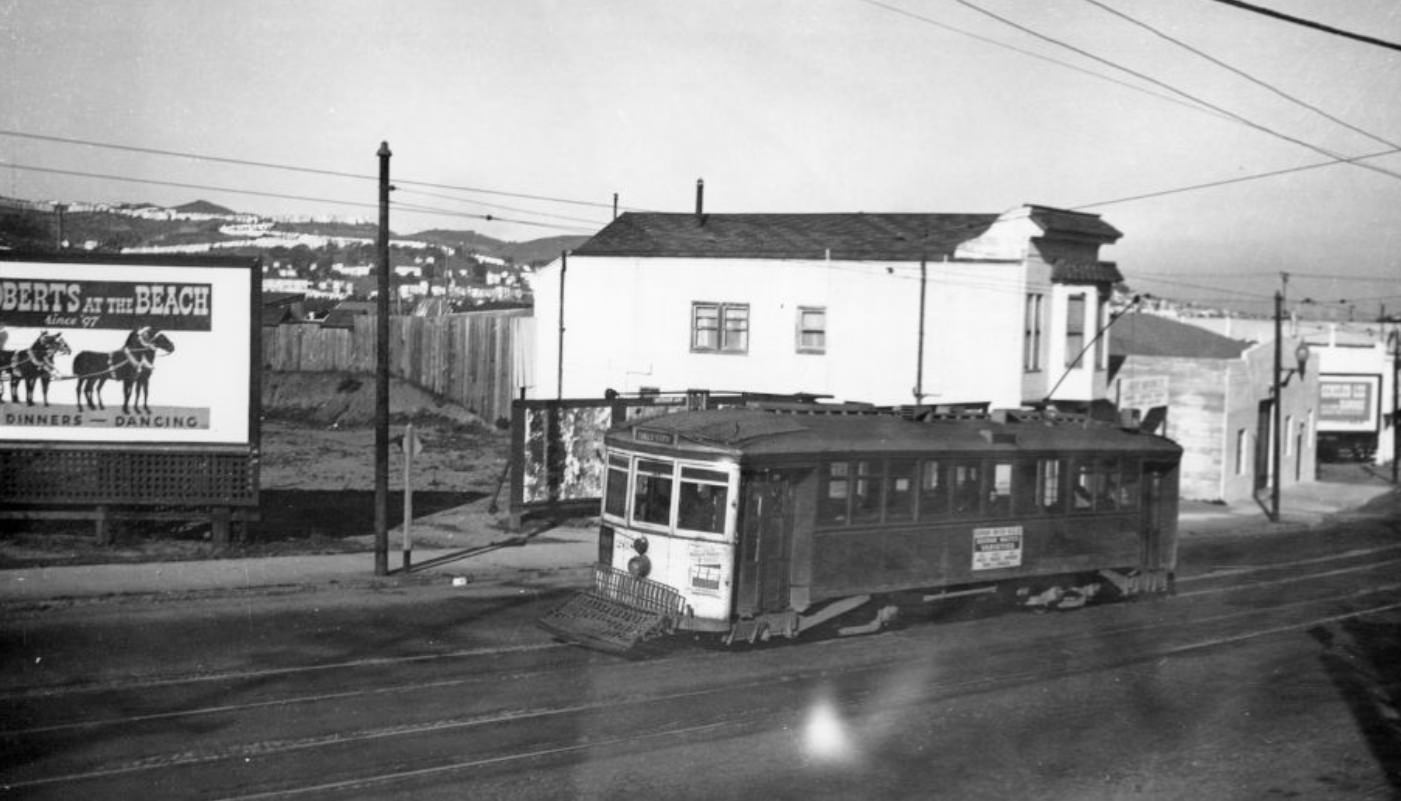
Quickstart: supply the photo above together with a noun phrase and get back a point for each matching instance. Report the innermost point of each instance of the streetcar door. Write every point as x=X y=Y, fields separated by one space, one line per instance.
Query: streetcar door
x=765 y=535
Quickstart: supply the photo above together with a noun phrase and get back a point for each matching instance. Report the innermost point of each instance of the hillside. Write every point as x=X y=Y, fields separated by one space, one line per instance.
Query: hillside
x=26 y=225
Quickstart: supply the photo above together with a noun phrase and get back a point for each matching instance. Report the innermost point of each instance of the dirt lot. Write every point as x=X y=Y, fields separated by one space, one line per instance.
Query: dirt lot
x=317 y=478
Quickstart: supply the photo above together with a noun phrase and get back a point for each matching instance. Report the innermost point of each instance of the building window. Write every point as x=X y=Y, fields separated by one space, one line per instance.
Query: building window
x=812 y=329
x=720 y=327
x=1242 y=450
x=1074 y=329
x=1031 y=356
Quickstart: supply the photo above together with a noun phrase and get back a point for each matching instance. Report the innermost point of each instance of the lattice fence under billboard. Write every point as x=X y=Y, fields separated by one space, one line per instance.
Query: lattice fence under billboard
x=76 y=476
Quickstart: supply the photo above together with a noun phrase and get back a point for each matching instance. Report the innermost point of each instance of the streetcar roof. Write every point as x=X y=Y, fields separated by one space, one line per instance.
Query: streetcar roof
x=758 y=432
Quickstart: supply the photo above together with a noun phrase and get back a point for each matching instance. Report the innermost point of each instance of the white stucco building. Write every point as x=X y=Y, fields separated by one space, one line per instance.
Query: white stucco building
x=830 y=304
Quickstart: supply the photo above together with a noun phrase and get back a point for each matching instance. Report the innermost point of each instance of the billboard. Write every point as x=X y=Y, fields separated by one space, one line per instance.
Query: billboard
x=124 y=350
x=1349 y=402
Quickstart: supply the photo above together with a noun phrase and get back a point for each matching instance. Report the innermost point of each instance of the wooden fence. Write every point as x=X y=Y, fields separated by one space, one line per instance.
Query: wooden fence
x=477 y=360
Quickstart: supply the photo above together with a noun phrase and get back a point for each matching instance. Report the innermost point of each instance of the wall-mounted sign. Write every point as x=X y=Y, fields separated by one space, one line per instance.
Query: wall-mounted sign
x=126 y=352
x=1143 y=392
x=1348 y=402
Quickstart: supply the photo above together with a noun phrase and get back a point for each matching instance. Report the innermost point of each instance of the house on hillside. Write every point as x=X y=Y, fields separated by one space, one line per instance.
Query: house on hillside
x=343 y=314
x=886 y=308
x=283 y=307
x=1215 y=397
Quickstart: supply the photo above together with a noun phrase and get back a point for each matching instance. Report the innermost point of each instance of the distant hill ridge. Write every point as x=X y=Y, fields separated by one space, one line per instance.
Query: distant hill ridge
x=25 y=223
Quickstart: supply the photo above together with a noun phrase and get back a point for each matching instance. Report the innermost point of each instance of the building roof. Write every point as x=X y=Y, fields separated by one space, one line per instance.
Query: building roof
x=344 y=314
x=283 y=298
x=847 y=236
x=1139 y=334
x=1074 y=223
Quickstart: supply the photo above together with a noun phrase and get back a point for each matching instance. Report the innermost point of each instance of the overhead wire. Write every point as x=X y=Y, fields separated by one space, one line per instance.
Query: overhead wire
x=1307 y=23
x=1243 y=74
x=1354 y=160
x=291 y=168
x=1033 y=54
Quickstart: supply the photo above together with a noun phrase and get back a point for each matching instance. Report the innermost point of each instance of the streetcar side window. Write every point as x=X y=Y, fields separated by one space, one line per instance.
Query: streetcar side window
x=933 y=490
x=704 y=496
x=1132 y=488
x=1050 y=490
x=1000 y=495
x=1110 y=496
x=900 y=500
x=1026 y=481
x=615 y=496
x=1098 y=486
x=836 y=480
x=867 y=492
x=967 y=489
x=651 y=494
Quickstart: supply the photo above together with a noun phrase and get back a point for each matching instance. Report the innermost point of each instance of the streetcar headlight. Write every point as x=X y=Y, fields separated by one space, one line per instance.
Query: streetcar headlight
x=640 y=566
x=640 y=545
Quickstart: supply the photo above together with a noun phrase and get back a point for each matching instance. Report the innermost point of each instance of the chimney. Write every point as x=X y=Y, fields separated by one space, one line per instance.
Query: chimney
x=700 y=197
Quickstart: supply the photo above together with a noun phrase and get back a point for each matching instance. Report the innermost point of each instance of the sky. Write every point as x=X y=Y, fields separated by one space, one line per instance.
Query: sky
x=539 y=112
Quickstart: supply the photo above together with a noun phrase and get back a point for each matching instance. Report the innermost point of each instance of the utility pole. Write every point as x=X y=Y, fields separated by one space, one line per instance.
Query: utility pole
x=1393 y=342
x=382 y=372
x=559 y=366
x=1275 y=419
x=919 y=348
x=59 y=209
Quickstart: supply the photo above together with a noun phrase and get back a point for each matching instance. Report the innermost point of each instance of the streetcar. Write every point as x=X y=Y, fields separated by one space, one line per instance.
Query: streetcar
x=769 y=521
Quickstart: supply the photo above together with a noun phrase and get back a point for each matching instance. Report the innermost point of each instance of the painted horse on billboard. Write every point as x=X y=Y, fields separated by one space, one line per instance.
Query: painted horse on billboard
x=31 y=365
x=132 y=365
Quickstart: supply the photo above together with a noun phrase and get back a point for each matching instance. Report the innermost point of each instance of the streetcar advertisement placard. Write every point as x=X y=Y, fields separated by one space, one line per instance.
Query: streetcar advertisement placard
x=996 y=548
x=124 y=352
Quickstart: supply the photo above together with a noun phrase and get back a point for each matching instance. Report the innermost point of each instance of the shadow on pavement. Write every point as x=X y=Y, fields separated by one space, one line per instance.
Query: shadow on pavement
x=1363 y=660
x=296 y=514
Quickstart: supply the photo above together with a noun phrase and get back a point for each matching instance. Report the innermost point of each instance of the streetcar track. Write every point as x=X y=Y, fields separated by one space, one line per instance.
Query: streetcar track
x=933 y=692
x=444 y=683
x=1287 y=579
x=250 y=675
x=265 y=673
x=1260 y=568
x=939 y=692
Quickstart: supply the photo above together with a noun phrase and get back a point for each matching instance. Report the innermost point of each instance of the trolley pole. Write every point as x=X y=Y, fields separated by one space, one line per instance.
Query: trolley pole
x=382 y=372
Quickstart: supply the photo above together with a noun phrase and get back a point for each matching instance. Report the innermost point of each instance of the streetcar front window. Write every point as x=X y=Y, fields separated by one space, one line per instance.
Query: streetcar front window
x=651 y=495
x=704 y=496
x=615 y=497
